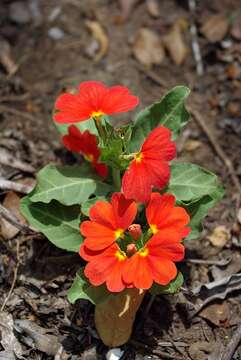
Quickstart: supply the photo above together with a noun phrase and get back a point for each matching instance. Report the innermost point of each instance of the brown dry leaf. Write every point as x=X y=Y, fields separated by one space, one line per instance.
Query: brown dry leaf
x=220 y=236
x=239 y=216
x=236 y=27
x=215 y=28
x=100 y=35
x=192 y=145
x=147 y=47
x=6 y=57
x=217 y=314
x=126 y=8
x=114 y=318
x=175 y=45
x=12 y=203
x=153 y=8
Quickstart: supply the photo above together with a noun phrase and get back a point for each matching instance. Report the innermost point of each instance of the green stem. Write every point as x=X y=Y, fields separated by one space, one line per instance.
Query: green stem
x=100 y=129
x=116 y=178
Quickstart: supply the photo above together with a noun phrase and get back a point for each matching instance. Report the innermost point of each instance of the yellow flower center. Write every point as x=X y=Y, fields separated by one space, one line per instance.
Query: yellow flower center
x=119 y=233
x=97 y=114
x=144 y=252
x=120 y=255
x=153 y=228
x=138 y=157
x=89 y=157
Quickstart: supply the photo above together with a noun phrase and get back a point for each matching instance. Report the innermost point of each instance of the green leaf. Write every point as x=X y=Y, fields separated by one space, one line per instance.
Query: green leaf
x=169 y=111
x=198 y=210
x=67 y=184
x=191 y=182
x=196 y=189
x=172 y=288
x=82 y=126
x=59 y=223
x=82 y=289
x=110 y=153
x=85 y=207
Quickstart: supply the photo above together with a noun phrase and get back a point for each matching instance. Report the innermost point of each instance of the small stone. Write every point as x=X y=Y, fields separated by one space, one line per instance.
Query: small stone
x=55 y=33
x=89 y=354
x=114 y=354
x=19 y=13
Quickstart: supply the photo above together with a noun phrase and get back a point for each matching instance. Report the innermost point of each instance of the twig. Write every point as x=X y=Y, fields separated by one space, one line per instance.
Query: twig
x=14 y=98
x=9 y=160
x=233 y=344
x=14 y=279
x=195 y=45
x=222 y=262
x=9 y=110
x=8 y=216
x=152 y=75
x=11 y=185
x=227 y=162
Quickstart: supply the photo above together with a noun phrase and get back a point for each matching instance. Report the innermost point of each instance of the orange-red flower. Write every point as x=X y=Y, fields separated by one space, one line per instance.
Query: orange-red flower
x=108 y=221
x=154 y=262
x=134 y=264
x=93 y=100
x=105 y=267
x=86 y=144
x=150 y=167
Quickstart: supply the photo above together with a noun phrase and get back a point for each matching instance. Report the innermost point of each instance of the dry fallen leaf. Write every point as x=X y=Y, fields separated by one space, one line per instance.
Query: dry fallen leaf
x=153 y=8
x=175 y=44
x=217 y=314
x=147 y=47
x=8 y=340
x=220 y=236
x=126 y=7
x=239 y=216
x=42 y=338
x=6 y=57
x=12 y=203
x=192 y=145
x=236 y=27
x=215 y=28
x=99 y=34
x=114 y=318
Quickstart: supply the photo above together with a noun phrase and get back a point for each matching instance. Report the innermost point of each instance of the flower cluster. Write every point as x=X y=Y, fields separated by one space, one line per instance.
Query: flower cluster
x=120 y=252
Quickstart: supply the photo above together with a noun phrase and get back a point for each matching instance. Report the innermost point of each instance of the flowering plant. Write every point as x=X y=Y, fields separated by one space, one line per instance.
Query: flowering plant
x=125 y=206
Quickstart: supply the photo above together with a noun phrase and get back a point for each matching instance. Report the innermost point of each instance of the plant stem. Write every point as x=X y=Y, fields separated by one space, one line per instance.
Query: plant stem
x=100 y=129
x=116 y=178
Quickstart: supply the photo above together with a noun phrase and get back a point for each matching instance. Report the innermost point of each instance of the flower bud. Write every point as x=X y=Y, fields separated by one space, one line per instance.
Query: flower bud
x=135 y=231
x=131 y=249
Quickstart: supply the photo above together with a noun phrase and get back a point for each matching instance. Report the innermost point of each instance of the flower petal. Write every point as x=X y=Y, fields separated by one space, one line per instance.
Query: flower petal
x=98 y=236
x=136 y=182
x=166 y=245
x=71 y=109
x=124 y=210
x=102 y=213
x=136 y=271
x=158 y=144
x=163 y=270
x=118 y=99
x=107 y=268
x=158 y=206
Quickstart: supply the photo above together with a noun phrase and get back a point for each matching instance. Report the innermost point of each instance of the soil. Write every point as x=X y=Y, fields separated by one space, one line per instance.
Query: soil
x=53 y=50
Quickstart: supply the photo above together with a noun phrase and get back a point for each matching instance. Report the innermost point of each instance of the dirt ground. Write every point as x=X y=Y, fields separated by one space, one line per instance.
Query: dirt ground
x=47 y=46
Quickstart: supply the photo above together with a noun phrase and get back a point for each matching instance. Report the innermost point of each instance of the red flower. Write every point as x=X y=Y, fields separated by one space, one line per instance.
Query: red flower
x=105 y=267
x=154 y=262
x=93 y=100
x=108 y=221
x=86 y=144
x=150 y=166
x=125 y=266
